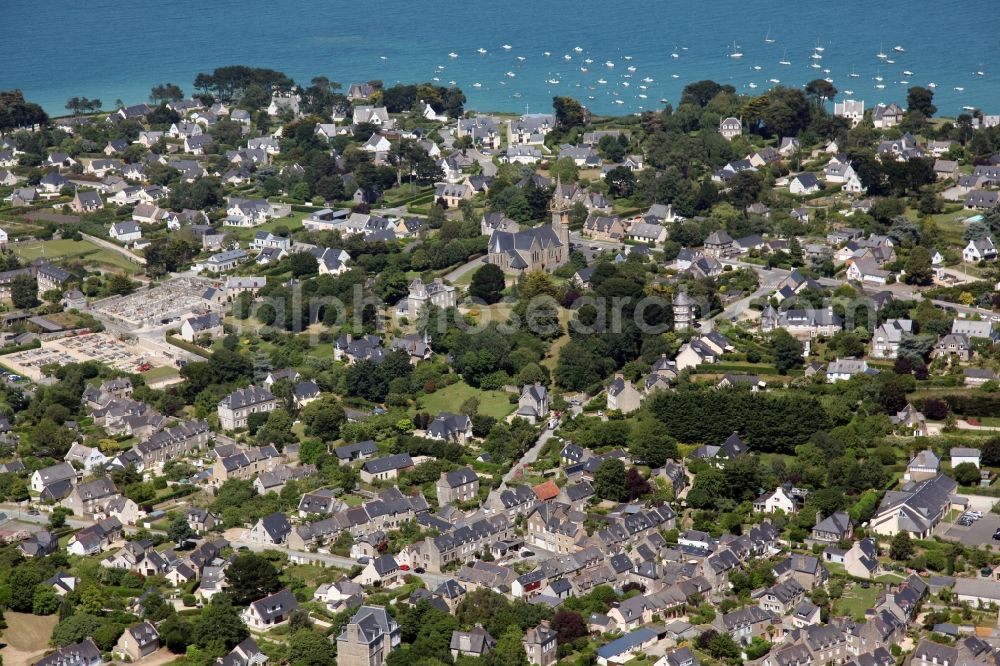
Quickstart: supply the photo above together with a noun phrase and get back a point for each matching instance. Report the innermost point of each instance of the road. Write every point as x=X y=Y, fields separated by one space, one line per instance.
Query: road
x=432 y=579
x=532 y=454
x=19 y=513
x=457 y=273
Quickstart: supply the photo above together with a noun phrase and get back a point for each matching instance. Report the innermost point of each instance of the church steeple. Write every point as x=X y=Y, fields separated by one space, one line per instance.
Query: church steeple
x=558 y=206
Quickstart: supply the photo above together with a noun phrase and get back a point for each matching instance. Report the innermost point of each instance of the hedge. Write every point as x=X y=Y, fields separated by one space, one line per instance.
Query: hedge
x=34 y=344
x=968 y=404
x=187 y=346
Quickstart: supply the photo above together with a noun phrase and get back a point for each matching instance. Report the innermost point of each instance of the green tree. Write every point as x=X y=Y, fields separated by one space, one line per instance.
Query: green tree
x=901 y=547
x=175 y=633
x=921 y=99
x=487 y=284
x=967 y=474
x=918 y=266
x=302 y=264
x=219 y=624
x=24 y=291
x=610 y=481
x=251 y=577
x=569 y=113
x=787 y=351
x=323 y=418
x=179 y=531
x=46 y=601
x=308 y=648
x=649 y=444
x=75 y=628
x=509 y=650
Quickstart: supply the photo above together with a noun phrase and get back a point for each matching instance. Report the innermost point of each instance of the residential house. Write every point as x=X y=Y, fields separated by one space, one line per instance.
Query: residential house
x=475 y=643
x=450 y=427
x=835 y=527
x=460 y=485
x=540 y=644
x=138 y=641
x=269 y=612
x=368 y=638
x=980 y=249
x=961 y=455
x=533 y=405
x=84 y=653
x=272 y=530
x=730 y=128
x=387 y=468
x=235 y=409
x=778 y=499
x=924 y=465
x=623 y=396
x=888 y=337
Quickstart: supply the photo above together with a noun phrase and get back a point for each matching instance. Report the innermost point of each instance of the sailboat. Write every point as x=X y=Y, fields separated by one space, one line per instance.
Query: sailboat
x=881 y=55
x=767 y=38
x=854 y=74
x=736 y=53
x=784 y=59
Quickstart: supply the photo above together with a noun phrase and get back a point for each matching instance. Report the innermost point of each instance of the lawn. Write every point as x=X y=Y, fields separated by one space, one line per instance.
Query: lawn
x=157 y=374
x=27 y=637
x=450 y=399
x=83 y=250
x=293 y=223
x=856 y=601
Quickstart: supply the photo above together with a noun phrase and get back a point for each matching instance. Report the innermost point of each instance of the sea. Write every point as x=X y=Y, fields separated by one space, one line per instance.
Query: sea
x=615 y=56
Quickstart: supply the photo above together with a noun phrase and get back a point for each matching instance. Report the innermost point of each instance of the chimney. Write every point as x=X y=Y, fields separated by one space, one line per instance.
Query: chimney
x=819 y=517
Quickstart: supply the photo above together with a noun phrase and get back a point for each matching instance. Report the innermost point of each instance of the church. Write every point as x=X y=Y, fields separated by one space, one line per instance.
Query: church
x=543 y=248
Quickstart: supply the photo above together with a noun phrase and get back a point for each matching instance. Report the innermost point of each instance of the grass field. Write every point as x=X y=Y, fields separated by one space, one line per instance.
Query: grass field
x=293 y=222
x=450 y=399
x=27 y=637
x=83 y=250
x=856 y=601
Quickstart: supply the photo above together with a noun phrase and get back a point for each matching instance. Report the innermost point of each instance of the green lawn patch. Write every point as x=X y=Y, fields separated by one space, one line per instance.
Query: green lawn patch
x=83 y=250
x=856 y=601
x=450 y=399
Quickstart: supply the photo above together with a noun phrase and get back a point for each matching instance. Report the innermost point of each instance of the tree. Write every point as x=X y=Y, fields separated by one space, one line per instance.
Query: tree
x=610 y=480
x=75 y=628
x=45 y=601
x=303 y=263
x=308 y=648
x=990 y=452
x=918 y=266
x=636 y=485
x=569 y=626
x=179 y=531
x=901 y=547
x=787 y=351
x=650 y=445
x=967 y=474
x=621 y=181
x=821 y=90
x=24 y=291
x=509 y=650
x=487 y=284
x=57 y=519
x=219 y=625
x=569 y=113
x=323 y=418
x=921 y=99
x=251 y=577
x=175 y=633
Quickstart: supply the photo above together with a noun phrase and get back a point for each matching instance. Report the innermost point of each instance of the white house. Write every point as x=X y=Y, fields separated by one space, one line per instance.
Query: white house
x=980 y=249
x=125 y=232
x=960 y=454
x=776 y=500
x=804 y=183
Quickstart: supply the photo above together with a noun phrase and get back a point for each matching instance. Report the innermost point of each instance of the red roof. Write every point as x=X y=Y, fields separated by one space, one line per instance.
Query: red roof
x=546 y=491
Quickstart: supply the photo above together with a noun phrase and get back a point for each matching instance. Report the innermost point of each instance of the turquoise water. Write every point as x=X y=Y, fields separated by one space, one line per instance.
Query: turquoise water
x=57 y=49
